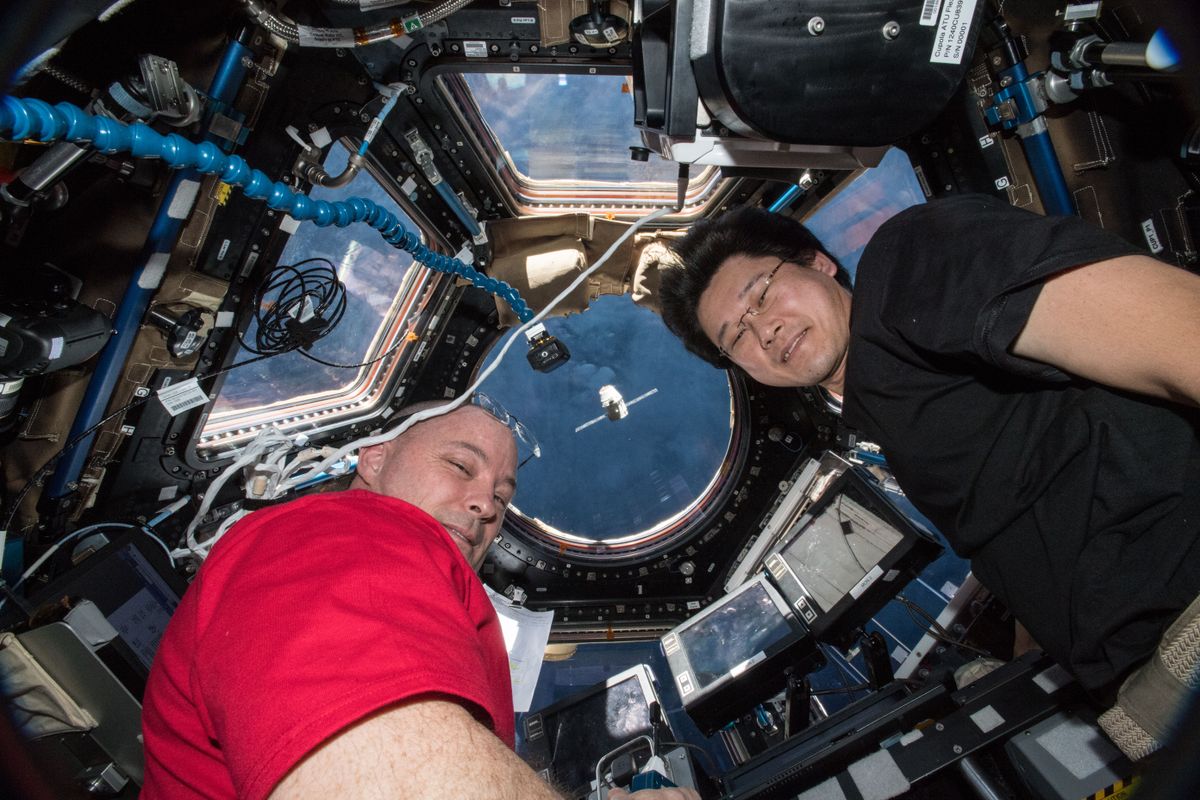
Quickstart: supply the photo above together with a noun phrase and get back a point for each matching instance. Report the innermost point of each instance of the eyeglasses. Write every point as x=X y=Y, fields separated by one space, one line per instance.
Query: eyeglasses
x=520 y=431
x=752 y=311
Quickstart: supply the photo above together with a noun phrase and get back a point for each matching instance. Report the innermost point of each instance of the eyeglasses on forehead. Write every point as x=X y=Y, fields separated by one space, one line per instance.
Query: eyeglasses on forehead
x=520 y=430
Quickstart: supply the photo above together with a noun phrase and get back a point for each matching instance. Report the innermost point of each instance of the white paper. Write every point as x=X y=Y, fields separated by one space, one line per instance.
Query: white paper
x=90 y=625
x=525 y=635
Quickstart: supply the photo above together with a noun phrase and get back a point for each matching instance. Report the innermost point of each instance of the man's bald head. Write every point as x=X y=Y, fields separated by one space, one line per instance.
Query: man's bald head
x=460 y=468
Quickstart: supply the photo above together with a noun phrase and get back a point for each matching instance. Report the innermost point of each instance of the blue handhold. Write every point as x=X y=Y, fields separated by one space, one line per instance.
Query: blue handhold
x=29 y=118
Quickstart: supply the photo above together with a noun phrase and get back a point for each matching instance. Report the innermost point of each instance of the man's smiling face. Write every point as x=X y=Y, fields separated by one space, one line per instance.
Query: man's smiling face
x=784 y=324
x=460 y=468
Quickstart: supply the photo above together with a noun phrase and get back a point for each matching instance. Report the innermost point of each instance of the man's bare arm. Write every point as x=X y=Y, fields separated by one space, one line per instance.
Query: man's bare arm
x=426 y=748
x=422 y=749
x=1130 y=323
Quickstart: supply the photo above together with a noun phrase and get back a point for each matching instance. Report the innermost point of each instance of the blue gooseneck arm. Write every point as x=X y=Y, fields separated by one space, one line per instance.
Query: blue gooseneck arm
x=26 y=118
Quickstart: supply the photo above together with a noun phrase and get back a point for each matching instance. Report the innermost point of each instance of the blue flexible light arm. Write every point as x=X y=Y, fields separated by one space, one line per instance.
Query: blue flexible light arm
x=26 y=118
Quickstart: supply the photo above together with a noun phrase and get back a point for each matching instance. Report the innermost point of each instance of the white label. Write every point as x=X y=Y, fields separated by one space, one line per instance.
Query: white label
x=612 y=35
x=223 y=251
x=693 y=605
x=910 y=737
x=152 y=273
x=409 y=186
x=167 y=493
x=524 y=20
x=325 y=37
x=1080 y=747
x=1078 y=11
x=56 y=347
x=289 y=224
x=987 y=719
x=224 y=319
x=320 y=138
x=465 y=255
x=180 y=397
x=929 y=12
x=304 y=310
x=1151 y=234
x=899 y=654
x=949 y=589
x=184 y=199
x=1002 y=183
x=475 y=49
x=986 y=141
x=1052 y=679
x=950 y=43
x=866 y=581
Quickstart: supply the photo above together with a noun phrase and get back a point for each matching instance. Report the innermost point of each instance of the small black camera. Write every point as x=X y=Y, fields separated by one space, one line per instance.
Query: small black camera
x=546 y=353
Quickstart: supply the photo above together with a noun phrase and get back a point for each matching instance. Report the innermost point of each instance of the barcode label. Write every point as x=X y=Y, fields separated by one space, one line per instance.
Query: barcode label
x=929 y=12
x=950 y=42
x=180 y=397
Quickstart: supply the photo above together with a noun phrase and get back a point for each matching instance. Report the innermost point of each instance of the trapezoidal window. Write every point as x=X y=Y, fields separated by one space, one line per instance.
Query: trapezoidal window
x=561 y=142
x=388 y=299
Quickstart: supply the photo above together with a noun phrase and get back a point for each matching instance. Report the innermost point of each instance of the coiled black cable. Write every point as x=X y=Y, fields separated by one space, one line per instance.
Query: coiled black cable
x=294 y=307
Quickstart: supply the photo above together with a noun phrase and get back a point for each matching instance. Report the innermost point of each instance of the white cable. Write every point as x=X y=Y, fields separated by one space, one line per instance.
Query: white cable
x=252 y=454
x=54 y=549
x=283 y=479
x=421 y=416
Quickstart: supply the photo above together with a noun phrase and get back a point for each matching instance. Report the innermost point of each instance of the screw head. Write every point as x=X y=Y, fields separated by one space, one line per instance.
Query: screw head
x=816 y=26
x=891 y=30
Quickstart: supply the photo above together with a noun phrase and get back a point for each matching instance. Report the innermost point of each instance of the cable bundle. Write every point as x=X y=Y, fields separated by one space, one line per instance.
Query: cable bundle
x=295 y=307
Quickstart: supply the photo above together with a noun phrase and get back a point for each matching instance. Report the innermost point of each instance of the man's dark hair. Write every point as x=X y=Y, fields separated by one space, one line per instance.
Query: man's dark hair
x=746 y=231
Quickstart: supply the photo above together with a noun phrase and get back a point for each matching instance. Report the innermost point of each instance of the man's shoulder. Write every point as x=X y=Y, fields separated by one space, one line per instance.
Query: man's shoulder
x=339 y=505
x=335 y=519
x=930 y=236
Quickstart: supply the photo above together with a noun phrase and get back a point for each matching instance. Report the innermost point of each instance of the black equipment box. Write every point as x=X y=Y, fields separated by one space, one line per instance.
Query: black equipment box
x=847 y=557
x=820 y=73
x=735 y=653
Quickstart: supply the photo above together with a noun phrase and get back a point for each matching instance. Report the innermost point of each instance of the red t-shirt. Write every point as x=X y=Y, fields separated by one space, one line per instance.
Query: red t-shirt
x=305 y=618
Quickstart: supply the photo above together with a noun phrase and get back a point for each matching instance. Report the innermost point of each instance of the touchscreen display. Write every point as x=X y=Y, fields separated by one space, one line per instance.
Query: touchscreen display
x=835 y=550
x=580 y=734
x=742 y=627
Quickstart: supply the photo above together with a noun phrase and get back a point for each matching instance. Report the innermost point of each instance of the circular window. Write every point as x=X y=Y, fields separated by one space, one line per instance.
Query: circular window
x=633 y=430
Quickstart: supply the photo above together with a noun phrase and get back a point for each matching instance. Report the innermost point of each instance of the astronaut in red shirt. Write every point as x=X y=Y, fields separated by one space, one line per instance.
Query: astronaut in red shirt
x=341 y=645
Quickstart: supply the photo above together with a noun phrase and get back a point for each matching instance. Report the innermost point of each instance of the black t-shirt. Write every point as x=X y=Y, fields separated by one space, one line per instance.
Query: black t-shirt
x=1078 y=505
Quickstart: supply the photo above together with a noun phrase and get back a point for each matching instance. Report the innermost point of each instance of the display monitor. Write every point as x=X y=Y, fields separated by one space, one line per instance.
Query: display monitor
x=844 y=559
x=733 y=654
x=565 y=740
